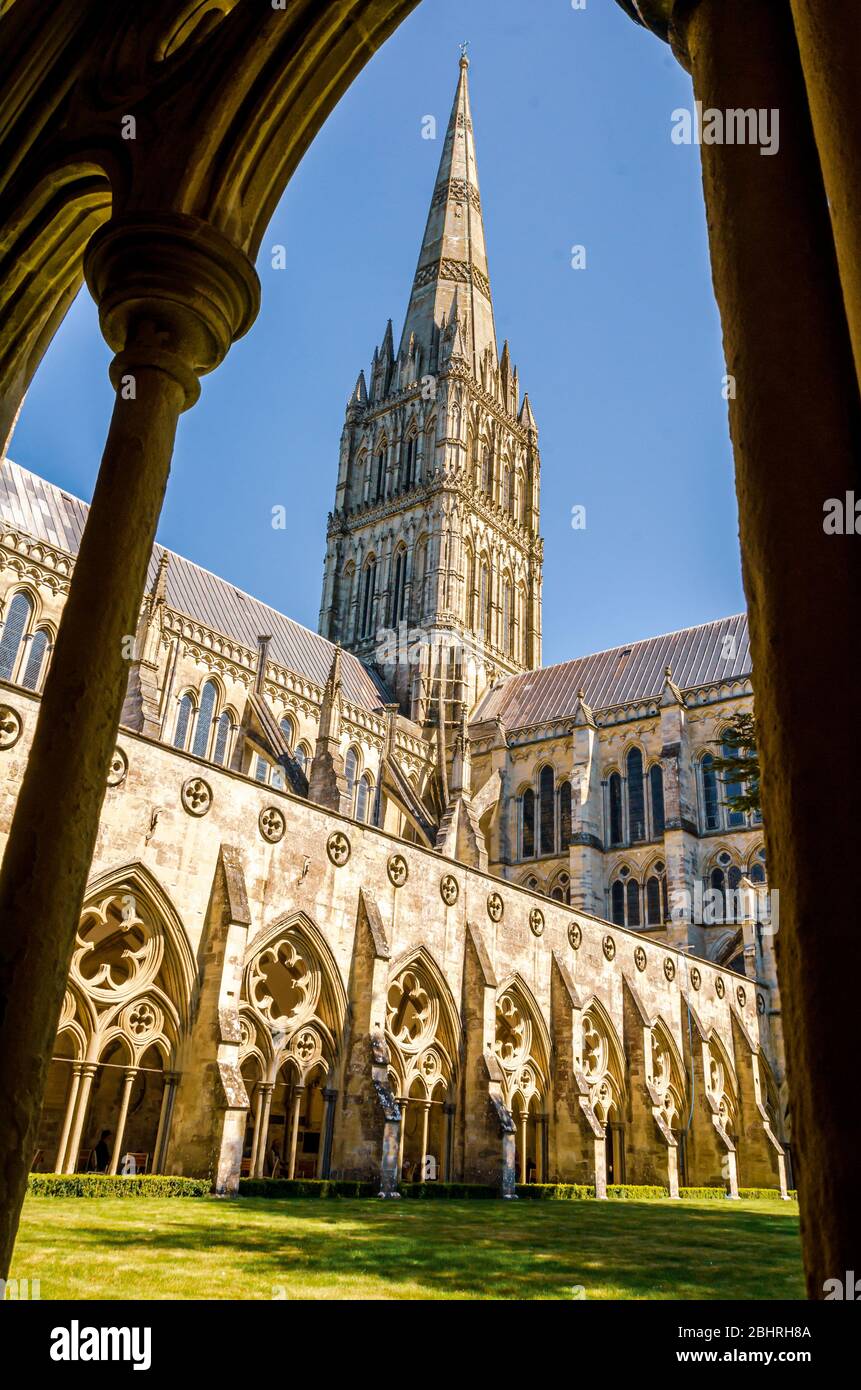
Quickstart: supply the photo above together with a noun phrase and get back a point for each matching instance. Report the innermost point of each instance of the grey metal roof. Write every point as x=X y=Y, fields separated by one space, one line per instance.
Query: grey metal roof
x=716 y=651
x=29 y=503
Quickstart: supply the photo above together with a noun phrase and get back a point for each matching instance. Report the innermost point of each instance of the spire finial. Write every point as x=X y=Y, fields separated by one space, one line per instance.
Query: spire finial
x=464 y=61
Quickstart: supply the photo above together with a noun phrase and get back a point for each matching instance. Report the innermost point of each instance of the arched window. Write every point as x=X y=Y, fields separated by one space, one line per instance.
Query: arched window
x=369 y=585
x=487 y=470
x=524 y=499
x=615 y=797
x=303 y=756
x=617 y=902
x=469 y=595
x=632 y=893
x=565 y=815
x=484 y=601
x=711 y=806
x=527 y=838
x=508 y=489
x=261 y=770
x=419 y=597
x=39 y=646
x=222 y=735
x=398 y=587
x=507 y=617
x=351 y=772
x=548 y=810
x=203 y=728
x=656 y=896
x=364 y=797
x=288 y=729
x=636 y=796
x=734 y=819
x=409 y=460
x=183 y=721
x=520 y=626
x=17 y=621
x=381 y=473
x=656 y=788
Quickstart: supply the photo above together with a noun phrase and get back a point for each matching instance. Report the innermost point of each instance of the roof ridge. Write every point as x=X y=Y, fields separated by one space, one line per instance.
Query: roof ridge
x=186 y=559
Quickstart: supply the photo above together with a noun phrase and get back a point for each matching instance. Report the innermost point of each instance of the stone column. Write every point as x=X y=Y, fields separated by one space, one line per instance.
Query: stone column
x=267 y=1088
x=74 y=1086
x=797 y=400
x=425 y=1109
x=168 y=1096
x=172 y=294
x=88 y=1072
x=119 y=1133
x=829 y=42
x=255 y=1138
x=329 y=1099
x=295 y=1109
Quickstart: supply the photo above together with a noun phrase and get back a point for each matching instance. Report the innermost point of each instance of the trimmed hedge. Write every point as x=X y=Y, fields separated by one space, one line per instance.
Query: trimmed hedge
x=306 y=1187
x=461 y=1191
x=718 y=1194
x=110 y=1185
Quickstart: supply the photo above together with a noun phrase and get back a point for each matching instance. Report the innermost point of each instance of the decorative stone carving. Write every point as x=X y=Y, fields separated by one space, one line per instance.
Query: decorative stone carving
x=284 y=985
x=117 y=952
x=513 y=1032
x=536 y=921
x=412 y=1011
x=640 y=957
x=760 y=1004
x=338 y=848
x=575 y=936
x=10 y=726
x=696 y=978
x=272 y=824
x=397 y=870
x=118 y=768
x=143 y=1020
x=196 y=796
x=449 y=889
x=609 y=947
x=720 y=987
x=669 y=969
x=741 y=996
x=495 y=907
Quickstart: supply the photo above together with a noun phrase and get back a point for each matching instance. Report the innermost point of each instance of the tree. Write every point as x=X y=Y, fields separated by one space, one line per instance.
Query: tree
x=737 y=764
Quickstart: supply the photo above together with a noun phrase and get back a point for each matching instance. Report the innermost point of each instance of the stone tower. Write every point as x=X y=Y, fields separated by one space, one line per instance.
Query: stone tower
x=433 y=562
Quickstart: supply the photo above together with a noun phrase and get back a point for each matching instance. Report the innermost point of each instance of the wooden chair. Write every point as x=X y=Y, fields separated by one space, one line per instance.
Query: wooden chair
x=141 y=1161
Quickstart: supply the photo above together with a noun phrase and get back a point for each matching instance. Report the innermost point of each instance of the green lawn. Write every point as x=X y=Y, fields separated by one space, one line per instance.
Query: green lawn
x=256 y=1248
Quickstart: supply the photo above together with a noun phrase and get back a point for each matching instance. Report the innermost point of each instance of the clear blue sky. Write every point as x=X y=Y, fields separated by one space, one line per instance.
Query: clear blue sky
x=622 y=361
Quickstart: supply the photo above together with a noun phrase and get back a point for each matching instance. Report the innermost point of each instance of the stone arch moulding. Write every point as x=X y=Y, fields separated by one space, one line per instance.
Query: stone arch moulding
x=178 y=962
x=272 y=76
x=329 y=994
x=447 y=1029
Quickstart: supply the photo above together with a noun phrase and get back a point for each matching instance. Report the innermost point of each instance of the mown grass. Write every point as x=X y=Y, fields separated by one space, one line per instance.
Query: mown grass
x=300 y=1249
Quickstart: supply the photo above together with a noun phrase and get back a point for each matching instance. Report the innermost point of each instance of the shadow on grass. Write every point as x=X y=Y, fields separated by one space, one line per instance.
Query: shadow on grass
x=250 y=1247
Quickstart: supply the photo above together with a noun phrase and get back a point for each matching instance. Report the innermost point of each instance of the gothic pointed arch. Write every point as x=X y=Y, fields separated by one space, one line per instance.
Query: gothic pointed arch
x=423 y=1026
x=293 y=995
x=666 y=1075
x=602 y=1062
x=522 y=1044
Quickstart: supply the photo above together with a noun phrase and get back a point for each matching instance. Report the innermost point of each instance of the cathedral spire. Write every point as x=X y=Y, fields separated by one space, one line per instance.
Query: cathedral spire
x=453 y=257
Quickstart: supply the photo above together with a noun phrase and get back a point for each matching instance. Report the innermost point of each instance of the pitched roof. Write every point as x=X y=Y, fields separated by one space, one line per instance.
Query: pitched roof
x=28 y=503
x=716 y=651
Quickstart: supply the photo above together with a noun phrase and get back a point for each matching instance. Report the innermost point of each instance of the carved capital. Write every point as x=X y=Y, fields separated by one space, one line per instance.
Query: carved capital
x=173 y=294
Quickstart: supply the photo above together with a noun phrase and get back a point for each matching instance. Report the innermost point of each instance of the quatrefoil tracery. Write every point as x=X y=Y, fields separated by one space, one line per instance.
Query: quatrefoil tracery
x=513 y=1032
x=412 y=1011
x=284 y=984
x=117 y=951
